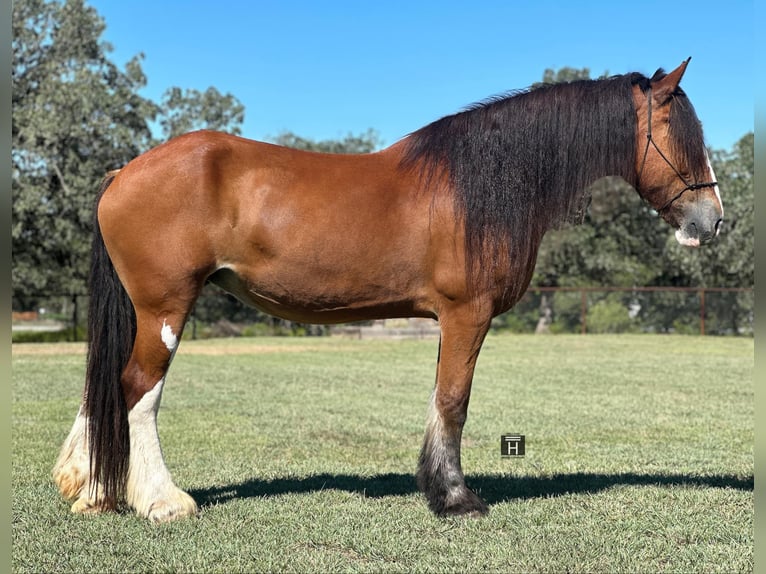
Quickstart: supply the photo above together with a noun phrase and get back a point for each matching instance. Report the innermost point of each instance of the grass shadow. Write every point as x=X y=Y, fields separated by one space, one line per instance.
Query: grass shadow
x=493 y=488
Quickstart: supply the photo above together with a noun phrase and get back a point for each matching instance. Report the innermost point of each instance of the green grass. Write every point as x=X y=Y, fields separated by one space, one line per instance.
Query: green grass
x=301 y=454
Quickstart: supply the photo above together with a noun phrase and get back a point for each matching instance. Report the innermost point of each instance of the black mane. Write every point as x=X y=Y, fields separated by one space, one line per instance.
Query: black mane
x=520 y=163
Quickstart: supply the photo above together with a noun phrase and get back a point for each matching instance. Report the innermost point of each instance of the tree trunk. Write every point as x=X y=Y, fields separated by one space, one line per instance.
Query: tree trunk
x=546 y=316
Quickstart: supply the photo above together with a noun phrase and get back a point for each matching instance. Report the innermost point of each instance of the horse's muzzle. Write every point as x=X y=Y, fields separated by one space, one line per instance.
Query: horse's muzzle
x=700 y=223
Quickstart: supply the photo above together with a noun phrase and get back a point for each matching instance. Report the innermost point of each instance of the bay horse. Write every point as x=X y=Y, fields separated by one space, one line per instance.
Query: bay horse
x=446 y=224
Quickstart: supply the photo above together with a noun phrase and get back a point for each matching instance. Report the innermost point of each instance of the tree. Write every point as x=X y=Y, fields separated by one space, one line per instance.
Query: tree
x=565 y=74
x=365 y=142
x=75 y=116
x=183 y=111
x=730 y=262
x=618 y=243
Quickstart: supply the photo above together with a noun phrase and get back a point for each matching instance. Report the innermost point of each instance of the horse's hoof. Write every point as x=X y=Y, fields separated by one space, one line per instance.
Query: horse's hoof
x=70 y=482
x=89 y=506
x=180 y=505
x=468 y=504
x=461 y=512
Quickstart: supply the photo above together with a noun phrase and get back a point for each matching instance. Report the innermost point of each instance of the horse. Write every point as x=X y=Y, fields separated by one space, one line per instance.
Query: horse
x=445 y=224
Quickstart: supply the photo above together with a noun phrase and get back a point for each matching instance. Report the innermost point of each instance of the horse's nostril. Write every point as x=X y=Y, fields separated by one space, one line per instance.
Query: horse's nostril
x=718 y=226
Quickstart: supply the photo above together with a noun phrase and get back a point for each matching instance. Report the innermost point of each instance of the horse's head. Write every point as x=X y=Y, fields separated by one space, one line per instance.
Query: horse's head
x=673 y=169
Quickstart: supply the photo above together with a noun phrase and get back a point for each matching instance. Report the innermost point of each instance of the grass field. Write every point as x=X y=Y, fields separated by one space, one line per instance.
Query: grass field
x=301 y=454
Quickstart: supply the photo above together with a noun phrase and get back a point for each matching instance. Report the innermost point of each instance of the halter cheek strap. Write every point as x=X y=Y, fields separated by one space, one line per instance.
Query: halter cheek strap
x=687 y=186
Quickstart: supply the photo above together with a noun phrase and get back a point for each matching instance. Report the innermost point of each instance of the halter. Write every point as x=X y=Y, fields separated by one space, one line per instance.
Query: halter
x=649 y=140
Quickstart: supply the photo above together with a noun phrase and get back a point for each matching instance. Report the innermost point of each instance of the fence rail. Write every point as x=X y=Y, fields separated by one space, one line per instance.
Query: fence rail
x=584 y=291
x=583 y=310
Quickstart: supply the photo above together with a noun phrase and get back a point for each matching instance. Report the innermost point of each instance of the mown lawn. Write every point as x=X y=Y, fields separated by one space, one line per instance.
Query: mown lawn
x=301 y=455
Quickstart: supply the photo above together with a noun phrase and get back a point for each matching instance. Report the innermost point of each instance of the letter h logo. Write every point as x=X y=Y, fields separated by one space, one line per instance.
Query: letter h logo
x=512 y=445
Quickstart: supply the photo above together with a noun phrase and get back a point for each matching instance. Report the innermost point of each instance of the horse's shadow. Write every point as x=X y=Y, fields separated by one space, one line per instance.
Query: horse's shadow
x=494 y=488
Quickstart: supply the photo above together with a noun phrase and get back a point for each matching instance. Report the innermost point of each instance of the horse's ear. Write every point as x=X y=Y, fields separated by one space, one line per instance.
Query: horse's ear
x=665 y=87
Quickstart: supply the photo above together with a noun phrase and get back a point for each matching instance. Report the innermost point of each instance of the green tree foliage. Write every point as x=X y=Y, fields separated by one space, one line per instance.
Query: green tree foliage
x=730 y=261
x=188 y=110
x=619 y=242
x=565 y=74
x=365 y=142
x=75 y=116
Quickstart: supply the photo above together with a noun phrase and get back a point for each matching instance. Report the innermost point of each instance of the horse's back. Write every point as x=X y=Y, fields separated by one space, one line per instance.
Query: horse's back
x=219 y=173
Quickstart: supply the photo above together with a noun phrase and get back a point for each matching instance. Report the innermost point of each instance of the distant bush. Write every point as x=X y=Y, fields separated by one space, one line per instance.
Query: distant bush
x=610 y=317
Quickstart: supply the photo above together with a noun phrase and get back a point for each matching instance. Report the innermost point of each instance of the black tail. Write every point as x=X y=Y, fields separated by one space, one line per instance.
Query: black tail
x=111 y=332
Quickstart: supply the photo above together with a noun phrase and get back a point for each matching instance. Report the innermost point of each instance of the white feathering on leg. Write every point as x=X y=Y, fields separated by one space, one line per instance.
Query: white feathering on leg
x=151 y=490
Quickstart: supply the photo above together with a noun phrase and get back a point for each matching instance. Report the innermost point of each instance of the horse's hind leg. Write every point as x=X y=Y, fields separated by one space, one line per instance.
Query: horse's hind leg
x=150 y=487
x=440 y=475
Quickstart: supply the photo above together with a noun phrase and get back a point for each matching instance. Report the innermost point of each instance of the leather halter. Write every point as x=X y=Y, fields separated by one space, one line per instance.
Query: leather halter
x=687 y=186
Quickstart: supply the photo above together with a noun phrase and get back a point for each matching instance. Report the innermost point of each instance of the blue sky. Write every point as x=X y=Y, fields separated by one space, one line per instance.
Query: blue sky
x=324 y=69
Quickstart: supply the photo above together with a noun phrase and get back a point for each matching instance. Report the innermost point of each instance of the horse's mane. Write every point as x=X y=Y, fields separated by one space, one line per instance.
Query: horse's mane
x=520 y=163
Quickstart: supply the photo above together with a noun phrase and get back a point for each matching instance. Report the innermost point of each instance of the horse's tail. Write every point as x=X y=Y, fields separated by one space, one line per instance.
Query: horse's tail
x=111 y=332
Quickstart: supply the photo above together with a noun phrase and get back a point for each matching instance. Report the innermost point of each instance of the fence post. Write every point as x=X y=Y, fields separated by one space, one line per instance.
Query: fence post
x=702 y=312
x=583 y=310
x=74 y=318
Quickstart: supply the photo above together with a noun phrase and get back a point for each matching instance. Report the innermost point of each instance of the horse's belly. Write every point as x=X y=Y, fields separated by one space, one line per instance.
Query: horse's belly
x=317 y=295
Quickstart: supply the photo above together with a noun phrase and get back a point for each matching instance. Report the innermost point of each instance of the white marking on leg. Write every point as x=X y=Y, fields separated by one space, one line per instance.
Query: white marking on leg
x=168 y=337
x=151 y=490
x=71 y=472
x=444 y=455
x=72 y=467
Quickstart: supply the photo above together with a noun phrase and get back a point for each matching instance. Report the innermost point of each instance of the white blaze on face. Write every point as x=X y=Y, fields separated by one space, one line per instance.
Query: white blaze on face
x=712 y=178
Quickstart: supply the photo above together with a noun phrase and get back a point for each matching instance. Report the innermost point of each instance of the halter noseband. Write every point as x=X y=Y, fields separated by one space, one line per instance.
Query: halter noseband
x=649 y=140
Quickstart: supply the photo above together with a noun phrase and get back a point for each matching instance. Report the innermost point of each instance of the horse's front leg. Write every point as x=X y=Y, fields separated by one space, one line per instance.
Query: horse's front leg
x=440 y=475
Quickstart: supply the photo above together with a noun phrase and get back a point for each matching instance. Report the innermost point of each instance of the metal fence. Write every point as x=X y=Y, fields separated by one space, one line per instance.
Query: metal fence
x=690 y=310
x=698 y=310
